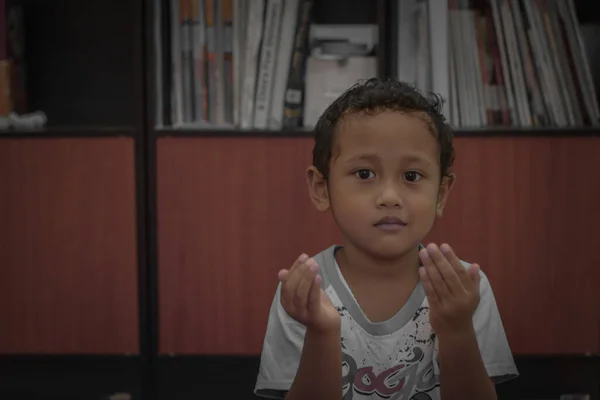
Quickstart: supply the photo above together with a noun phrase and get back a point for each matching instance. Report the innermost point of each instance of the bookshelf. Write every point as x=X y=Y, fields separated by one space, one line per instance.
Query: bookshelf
x=73 y=206
x=84 y=65
x=70 y=132
x=147 y=203
x=73 y=189
x=235 y=157
x=86 y=77
x=384 y=14
x=306 y=133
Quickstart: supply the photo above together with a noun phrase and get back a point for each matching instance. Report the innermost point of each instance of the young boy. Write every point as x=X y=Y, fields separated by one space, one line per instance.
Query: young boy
x=382 y=316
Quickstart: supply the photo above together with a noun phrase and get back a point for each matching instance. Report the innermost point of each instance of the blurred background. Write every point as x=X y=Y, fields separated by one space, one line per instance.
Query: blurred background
x=152 y=157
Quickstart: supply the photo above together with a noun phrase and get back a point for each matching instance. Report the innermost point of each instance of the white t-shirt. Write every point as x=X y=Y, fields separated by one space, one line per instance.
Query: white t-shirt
x=395 y=359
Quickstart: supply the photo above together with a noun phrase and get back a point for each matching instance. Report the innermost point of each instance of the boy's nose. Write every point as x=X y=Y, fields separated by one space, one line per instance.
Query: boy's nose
x=389 y=197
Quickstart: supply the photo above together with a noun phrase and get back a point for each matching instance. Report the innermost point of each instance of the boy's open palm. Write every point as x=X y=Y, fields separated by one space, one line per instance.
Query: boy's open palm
x=451 y=289
x=304 y=300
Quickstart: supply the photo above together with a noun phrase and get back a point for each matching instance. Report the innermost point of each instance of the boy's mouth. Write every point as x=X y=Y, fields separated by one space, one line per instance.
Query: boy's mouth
x=390 y=224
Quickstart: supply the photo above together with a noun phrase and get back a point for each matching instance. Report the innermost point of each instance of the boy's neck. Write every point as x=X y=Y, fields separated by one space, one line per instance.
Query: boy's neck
x=366 y=266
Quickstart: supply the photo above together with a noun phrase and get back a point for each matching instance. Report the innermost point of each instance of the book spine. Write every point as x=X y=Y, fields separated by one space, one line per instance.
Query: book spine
x=294 y=94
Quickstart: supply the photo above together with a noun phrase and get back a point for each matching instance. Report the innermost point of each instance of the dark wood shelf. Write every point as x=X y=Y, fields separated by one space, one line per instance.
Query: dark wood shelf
x=231 y=132
x=559 y=356
x=478 y=132
x=73 y=132
x=529 y=132
x=115 y=131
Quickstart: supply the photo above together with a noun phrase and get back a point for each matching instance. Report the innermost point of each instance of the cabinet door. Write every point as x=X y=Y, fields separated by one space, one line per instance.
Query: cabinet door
x=526 y=210
x=231 y=213
x=68 y=246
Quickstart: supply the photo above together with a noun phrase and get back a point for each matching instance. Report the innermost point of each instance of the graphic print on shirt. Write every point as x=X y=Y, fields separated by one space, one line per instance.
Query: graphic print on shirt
x=413 y=374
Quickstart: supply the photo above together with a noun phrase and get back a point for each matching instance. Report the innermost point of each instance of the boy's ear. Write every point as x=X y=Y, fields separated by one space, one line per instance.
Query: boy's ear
x=317 y=188
x=445 y=187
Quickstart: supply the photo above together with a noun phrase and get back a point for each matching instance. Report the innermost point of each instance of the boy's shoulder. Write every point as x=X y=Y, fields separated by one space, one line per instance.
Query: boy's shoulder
x=329 y=272
x=326 y=260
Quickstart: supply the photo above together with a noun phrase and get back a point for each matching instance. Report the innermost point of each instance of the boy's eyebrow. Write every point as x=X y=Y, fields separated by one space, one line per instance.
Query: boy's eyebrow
x=363 y=157
x=415 y=158
x=410 y=158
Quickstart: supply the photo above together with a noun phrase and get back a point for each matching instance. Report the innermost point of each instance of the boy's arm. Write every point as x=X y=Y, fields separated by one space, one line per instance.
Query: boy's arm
x=462 y=372
x=319 y=373
x=453 y=295
x=301 y=357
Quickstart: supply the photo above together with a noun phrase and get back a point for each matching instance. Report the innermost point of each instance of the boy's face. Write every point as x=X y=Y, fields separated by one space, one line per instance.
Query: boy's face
x=384 y=186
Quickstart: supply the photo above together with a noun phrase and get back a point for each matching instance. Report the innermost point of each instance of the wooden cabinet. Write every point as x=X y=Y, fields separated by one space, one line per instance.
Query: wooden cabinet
x=526 y=210
x=233 y=211
x=68 y=252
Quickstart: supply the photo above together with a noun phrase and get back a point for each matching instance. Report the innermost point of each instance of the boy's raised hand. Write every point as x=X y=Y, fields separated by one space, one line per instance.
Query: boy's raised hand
x=304 y=300
x=452 y=290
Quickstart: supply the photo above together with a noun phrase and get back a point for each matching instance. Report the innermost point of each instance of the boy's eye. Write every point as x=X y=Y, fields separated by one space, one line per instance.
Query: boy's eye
x=412 y=176
x=365 y=174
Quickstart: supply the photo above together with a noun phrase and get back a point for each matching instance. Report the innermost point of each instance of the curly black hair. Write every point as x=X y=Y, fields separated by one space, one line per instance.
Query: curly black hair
x=376 y=95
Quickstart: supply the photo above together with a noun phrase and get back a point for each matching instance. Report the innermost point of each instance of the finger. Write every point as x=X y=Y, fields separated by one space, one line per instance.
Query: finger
x=308 y=272
x=430 y=292
x=437 y=281
x=447 y=272
x=473 y=272
x=299 y=261
x=282 y=275
x=288 y=290
x=458 y=267
x=314 y=296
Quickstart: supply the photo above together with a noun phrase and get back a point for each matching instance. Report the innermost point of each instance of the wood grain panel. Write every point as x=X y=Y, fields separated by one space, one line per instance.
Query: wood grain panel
x=525 y=209
x=233 y=211
x=68 y=253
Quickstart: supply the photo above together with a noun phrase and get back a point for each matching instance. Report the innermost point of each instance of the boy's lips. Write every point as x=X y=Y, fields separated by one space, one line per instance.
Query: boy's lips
x=390 y=224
